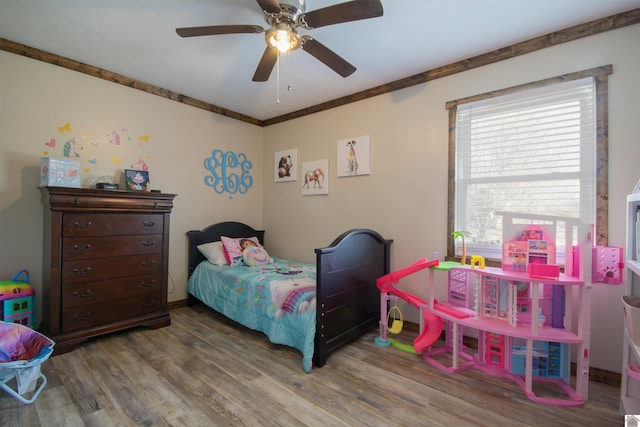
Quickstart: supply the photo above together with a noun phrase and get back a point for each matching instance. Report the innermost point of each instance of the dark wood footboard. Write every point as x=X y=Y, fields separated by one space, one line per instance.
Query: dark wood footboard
x=348 y=300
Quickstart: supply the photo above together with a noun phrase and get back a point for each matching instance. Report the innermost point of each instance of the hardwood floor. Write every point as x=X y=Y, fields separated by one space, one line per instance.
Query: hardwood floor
x=204 y=370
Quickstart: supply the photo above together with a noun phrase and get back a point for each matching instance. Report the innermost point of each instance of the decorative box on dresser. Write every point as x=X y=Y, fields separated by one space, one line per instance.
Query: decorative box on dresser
x=105 y=264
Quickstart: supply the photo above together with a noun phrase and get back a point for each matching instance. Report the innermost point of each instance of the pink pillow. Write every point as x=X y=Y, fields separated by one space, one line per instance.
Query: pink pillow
x=234 y=247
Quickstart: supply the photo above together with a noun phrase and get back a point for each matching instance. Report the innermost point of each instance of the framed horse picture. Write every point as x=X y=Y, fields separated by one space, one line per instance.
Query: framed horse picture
x=315 y=177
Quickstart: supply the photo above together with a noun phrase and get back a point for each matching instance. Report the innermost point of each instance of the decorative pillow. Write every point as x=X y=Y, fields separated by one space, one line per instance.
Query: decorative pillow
x=256 y=255
x=214 y=252
x=234 y=247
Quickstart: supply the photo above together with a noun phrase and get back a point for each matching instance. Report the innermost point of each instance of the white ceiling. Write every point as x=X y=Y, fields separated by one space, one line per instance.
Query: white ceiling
x=137 y=39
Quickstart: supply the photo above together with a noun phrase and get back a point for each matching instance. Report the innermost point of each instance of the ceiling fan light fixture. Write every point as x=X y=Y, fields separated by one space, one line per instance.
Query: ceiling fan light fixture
x=284 y=18
x=283 y=37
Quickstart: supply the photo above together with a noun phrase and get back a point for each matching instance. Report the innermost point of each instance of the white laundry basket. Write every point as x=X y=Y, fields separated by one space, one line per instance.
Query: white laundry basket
x=22 y=351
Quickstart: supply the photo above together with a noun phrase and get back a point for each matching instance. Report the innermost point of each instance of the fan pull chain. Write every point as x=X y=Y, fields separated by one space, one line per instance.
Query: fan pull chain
x=278 y=78
x=288 y=71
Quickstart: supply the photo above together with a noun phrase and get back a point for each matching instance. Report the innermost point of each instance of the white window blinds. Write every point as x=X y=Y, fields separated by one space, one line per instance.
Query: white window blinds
x=528 y=152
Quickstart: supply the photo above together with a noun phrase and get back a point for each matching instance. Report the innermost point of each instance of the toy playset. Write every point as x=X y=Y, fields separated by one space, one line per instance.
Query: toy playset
x=523 y=313
x=17 y=300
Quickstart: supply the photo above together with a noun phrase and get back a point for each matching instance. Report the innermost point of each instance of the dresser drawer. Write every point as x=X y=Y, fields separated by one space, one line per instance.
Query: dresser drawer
x=94 y=246
x=86 y=316
x=110 y=224
x=90 y=270
x=110 y=290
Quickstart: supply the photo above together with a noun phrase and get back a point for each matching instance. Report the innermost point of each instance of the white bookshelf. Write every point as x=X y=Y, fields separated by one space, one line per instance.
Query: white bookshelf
x=630 y=387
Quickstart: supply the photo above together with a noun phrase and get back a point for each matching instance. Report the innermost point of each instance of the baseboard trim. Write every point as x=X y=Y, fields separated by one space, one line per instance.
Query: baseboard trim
x=177 y=304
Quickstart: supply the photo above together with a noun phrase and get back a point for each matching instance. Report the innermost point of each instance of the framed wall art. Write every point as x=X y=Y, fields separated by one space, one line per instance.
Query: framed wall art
x=285 y=165
x=353 y=156
x=315 y=177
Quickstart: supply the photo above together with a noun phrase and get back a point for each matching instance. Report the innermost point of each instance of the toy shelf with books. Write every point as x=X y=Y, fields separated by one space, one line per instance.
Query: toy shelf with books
x=528 y=316
x=630 y=384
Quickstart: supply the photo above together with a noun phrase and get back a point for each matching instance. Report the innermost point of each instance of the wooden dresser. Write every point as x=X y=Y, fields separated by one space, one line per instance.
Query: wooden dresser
x=105 y=265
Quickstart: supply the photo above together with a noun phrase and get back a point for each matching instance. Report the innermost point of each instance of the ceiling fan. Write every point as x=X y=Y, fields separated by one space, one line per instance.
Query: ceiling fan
x=284 y=18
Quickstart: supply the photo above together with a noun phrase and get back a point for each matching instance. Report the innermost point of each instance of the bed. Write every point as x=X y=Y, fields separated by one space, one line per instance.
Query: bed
x=278 y=298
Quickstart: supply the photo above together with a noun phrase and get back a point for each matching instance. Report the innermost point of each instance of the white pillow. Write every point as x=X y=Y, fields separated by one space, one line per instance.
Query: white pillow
x=214 y=252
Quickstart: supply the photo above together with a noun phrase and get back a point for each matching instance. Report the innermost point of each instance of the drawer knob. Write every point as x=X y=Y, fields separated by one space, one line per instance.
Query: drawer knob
x=81 y=317
x=80 y=273
x=148 y=223
x=148 y=244
x=83 y=248
x=147 y=303
x=148 y=264
x=85 y=225
x=82 y=294
x=148 y=285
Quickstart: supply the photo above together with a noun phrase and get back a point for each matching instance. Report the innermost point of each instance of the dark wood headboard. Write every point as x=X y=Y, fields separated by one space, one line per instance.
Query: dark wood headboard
x=213 y=233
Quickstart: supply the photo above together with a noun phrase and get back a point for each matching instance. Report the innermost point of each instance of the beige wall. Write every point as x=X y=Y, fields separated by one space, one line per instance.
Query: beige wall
x=404 y=198
x=37 y=98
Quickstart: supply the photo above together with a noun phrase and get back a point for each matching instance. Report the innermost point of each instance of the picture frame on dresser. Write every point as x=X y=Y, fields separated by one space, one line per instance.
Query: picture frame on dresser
x=136 y=180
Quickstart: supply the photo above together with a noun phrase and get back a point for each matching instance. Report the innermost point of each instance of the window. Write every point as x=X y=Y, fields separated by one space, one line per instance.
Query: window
x=530 y=149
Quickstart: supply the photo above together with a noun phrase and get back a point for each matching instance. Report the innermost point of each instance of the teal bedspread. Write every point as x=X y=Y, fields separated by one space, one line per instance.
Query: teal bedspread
x=278 y=299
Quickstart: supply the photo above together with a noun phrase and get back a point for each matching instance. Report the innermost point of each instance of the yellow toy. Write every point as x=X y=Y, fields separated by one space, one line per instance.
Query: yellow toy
x=396 y=325
x=477 y=260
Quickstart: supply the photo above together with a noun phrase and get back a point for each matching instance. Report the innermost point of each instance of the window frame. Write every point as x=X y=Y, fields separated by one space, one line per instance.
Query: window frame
x=600 y=76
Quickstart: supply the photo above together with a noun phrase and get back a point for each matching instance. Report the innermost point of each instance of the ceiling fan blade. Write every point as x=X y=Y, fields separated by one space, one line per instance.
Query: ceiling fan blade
x=214 y=30
x=343 y=12
x=267 y=62
x=327 y=57
x=269 y=6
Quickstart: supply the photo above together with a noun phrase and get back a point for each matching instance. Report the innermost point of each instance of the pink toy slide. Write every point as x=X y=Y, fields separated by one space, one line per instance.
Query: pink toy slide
x=432 y=323
x=431 y=332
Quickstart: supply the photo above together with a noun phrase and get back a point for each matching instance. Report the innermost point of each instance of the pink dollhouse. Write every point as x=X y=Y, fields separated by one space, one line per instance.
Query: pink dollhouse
x=524 y=313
